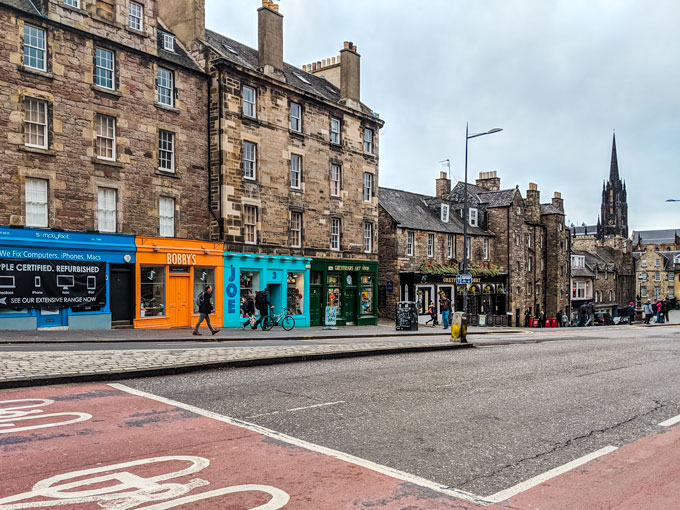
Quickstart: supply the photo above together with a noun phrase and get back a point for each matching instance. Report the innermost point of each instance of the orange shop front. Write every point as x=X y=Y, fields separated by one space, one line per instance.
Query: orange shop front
x=170 y=274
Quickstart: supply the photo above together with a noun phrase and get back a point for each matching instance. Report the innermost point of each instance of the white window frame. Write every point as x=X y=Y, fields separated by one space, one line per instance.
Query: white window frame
x=430 y=245
x=657 y=292
x=296 y=171
x=643 y=263
x=581 y=290
x=295 y=117
x=37 y=209
x=474 y=217
x=73 y=3
x=166 y=217
x=32 y=125
x=449 y=245
x=336 y=230
x=35 y=47
x=671 y=276
x=530 y=262
x=107 y=66
x=368 y=186
x=168 y=42
x=410 y=243
x=249 y=155
x=657 y=276
x=643 y=292
x=135 y=19
x=165 y=86
x=296 y=229
x=368 y=140
x=444 y=213
x=368 y=237
x=166 y=151
x=336 y=180
x=486 y=248
x=250 y=224
x=105 y=135
x=335 y=133
x=107 y=209
x=671 y=292
x=249 y=107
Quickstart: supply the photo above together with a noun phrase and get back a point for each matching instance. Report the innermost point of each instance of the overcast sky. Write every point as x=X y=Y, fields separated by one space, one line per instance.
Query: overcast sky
x=557 y=76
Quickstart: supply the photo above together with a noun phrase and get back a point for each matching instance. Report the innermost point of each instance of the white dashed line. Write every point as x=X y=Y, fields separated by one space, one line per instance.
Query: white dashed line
x=295 y=409
x=670 y=422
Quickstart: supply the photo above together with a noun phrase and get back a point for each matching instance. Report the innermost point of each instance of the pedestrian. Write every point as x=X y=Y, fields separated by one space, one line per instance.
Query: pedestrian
x=565 y=319
x=433 y=314
x=205 y=308
x=249 y=311
x=558 y=318
x=591 y=314
x=631 y=312
x=527 y=316
x=658 y=304
x=445 y=307
x=647 y=310
x=541 y=320
x=263 y=304
x=582 y=314
x=666 y=309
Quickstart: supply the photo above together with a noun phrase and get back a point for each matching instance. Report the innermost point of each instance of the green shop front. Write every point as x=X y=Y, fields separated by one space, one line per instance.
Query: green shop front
x=350 y=286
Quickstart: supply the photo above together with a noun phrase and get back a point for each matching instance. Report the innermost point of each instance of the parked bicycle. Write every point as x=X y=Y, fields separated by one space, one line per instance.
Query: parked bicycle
x=283 y=319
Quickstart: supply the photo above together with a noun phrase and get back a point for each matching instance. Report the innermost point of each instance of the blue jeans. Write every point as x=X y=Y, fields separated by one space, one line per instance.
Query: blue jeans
x=445 y=318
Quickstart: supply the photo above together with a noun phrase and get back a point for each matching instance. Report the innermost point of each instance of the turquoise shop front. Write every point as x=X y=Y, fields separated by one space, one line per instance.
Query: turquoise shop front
x=287 y=279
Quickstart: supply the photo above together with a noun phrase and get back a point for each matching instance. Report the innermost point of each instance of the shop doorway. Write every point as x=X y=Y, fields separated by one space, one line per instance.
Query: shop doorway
x=315 y=306
x=121 y=285
x=349 y=305
x=179 y=305
x=275 y=296
x=56 y=318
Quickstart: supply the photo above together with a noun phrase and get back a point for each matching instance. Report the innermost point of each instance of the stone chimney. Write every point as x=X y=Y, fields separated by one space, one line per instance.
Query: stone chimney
x=533 y=203
x=270 y=40
x=558 y=201
x=443 y=185
x=350 y=76
x=185 y=18
x=328 y=68
x=489 y=181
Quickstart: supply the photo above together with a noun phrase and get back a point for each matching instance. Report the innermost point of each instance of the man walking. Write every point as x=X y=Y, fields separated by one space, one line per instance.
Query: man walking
x=205 y=308
x=445 y=307
x=263 y=304
x=591 y=314
x=647 y=308
x=248 y=310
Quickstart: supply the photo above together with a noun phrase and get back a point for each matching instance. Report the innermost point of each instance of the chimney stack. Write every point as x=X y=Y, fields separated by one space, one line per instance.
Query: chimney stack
x=489 y=181
x=350 y=76
x=533 y=203
x=443 y=185
x=270 y=40
x=185 y=18
x=558 y=202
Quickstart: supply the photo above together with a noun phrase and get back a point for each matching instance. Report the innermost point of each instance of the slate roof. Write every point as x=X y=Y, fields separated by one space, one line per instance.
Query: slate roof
x=247 y=57
x=550 y=209
x=501 y=198
x=179 y=56
x=23 y=5
x=413 y=211
x=655 y=236
x=670 y=258
x=583 y=272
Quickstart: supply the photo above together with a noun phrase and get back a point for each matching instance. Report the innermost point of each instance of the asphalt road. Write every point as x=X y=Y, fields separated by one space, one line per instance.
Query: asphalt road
x=480 y=420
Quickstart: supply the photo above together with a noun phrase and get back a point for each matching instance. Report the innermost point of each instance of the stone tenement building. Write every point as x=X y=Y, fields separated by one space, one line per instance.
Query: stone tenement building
x=103 y=119
x=657 y=264
x=609 y=247
x=294 y=164
x=519 y=249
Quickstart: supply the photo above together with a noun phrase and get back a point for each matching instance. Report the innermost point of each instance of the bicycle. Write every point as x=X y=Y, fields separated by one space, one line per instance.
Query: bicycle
x=283 y=319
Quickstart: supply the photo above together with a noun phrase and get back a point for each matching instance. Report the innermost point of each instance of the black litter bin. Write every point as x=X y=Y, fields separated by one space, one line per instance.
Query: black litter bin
x=407 y=316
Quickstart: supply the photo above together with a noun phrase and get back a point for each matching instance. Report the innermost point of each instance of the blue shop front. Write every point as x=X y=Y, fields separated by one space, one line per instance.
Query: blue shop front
x=287 y=279
x=64 y=279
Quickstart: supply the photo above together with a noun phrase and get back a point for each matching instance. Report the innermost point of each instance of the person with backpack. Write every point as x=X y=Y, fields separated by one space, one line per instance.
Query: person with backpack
x=205 y=308
x=666 y=309
x=263 y=304
x=631 y=312
x=249 y=311
x=433 y=315
x=647 y=309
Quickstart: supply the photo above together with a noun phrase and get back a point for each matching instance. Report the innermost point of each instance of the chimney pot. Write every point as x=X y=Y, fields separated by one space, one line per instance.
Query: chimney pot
x=558 y=194
x=533 y=186
x=270 y=40
x=346 y=45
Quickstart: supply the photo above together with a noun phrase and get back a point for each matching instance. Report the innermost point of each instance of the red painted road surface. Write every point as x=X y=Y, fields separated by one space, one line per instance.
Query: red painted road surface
x=99 y=447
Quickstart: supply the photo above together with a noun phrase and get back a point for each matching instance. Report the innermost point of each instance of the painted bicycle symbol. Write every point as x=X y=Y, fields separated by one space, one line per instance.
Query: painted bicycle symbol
x=122 y=487
x=13 y=411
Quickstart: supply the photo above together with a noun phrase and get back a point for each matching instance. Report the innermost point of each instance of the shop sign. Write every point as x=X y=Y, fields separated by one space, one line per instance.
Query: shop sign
x=231 y=288
x=349 y=268
x=181 y=259
x=331 y=316
x=390 y=286
x=49 y=284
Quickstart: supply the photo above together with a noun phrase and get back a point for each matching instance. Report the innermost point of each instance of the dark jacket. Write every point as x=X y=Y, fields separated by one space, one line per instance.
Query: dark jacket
x=262 y=301
x=445 y=305
x=206 y=303
x=249 y=307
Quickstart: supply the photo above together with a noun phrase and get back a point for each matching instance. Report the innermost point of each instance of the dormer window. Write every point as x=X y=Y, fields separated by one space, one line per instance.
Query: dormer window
x=168 y=42
x=444 y=213
x=473 y=217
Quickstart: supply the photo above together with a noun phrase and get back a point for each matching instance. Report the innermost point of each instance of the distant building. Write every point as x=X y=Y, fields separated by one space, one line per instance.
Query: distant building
x=657 y=264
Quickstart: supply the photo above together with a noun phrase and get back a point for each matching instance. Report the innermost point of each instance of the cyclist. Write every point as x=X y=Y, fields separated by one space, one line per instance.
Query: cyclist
x=263 y=304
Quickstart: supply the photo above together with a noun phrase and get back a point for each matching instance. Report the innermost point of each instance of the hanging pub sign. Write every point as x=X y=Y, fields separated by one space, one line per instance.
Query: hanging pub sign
x=50 y=284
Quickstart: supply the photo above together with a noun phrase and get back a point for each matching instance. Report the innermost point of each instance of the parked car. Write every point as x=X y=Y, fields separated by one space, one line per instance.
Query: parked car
x=603 y=319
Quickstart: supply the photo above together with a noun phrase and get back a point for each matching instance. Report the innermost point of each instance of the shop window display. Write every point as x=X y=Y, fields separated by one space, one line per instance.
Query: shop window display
x=250 y=284
x=296 y=289
x=152 y=291
x=203 y=276
x=334 y=293
x=367 y=295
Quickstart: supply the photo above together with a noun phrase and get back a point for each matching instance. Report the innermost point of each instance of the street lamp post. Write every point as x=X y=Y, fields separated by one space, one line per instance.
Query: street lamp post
x=468 y=136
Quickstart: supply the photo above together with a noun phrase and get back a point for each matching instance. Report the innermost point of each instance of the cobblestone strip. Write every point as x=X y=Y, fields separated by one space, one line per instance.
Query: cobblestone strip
x=25 y=366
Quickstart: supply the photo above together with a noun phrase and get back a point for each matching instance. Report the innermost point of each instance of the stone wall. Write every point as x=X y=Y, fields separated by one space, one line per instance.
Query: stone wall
x=69 y=163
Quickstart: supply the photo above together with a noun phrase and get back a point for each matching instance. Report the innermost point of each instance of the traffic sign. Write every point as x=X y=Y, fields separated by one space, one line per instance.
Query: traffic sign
x=463 y=279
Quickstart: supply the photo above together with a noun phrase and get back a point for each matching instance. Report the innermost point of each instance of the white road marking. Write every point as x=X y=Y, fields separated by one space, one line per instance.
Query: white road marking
x=295 y=409
x=670 y=422
x=536 y=480
x=399 y=475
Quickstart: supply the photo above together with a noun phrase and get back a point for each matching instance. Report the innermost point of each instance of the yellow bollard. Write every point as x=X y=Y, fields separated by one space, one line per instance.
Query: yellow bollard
x=459 y=327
